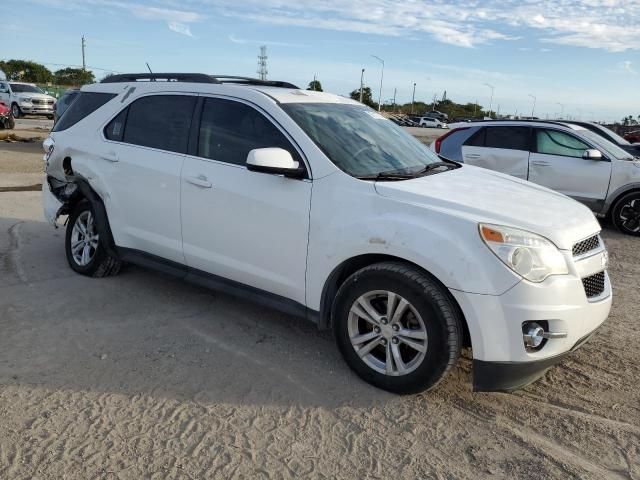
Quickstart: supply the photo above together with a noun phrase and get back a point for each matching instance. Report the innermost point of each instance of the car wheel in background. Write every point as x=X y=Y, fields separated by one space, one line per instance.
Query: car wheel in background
x=15 y=111
x=85 y=253
x=625 y=213
x=396 y=327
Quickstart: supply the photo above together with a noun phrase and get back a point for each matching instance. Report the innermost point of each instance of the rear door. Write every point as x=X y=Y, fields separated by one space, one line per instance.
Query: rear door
x=141 y=162
x=556 y=162
x=504 y=149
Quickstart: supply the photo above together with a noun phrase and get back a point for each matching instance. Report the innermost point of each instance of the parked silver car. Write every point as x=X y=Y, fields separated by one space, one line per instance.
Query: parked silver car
x=562 y=156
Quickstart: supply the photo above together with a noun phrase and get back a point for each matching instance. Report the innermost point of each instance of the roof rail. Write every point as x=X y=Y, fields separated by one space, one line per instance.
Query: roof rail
x=553 y=122
x=195 y=78
x=163 y=77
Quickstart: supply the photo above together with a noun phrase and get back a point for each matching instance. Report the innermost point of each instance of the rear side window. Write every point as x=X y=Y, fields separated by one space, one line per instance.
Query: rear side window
x=553 y=142
x=158 y=121
x=230 y=130
x=511 y=138
x=85 y=104
x=115 y=129
x=477 y=139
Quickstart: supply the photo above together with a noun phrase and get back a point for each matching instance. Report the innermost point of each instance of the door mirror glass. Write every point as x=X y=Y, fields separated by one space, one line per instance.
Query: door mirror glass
x=592 y=154
x=274 y=160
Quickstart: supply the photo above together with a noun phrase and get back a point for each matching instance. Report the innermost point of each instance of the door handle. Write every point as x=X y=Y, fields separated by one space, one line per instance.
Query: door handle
x=540 y=163
x=200 y=181
x=110 y=157
x=472 y=155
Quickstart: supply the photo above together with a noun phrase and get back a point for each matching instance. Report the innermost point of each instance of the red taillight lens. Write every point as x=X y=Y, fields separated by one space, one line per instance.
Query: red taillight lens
x=441 y=138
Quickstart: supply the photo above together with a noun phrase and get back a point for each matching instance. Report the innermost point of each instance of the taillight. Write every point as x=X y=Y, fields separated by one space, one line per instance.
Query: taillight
x=441 y=138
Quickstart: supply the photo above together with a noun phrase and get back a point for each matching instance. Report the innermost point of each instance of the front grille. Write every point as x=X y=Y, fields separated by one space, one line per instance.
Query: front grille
x=593 y=285
x=585 y=246
x=37 y=101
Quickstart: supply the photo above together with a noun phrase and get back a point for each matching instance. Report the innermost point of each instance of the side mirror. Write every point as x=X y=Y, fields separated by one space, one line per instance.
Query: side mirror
x=276 y=161
x=592 y=154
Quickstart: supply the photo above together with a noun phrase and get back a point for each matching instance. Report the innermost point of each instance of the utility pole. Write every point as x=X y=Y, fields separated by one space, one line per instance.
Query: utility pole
x=490 y=101
x=395 y=90
x=361 y=84
x=413 y=97
x=262 y=63
x=381 y=78
x=533 y=109
x=84 y=65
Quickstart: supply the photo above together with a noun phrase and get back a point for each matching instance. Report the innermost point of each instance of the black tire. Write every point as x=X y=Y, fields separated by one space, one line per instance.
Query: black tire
x=625 y=213
x=101 y=264
x=15 y=111
x=431 y=301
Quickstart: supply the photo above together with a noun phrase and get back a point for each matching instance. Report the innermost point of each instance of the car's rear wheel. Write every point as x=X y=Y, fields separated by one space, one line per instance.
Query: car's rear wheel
x=85 y=251
x=625 y=214
x=15 y=111
x=396 y=327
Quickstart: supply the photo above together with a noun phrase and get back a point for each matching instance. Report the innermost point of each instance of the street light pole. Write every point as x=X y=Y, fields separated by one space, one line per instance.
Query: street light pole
x=361 y=84
x=490 y=101
x=381 y=78
x=561 y=109
x=533 y=109
x=395 y=90
x=413 y=97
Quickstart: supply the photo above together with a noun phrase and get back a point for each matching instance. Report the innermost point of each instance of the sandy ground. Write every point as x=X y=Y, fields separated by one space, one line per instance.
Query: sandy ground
x=142 y=376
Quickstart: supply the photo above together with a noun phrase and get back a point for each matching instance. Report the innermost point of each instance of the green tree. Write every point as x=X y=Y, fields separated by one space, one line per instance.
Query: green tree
x=26 y=71
x=315 y=85
x=367 y=98
x=73 y=76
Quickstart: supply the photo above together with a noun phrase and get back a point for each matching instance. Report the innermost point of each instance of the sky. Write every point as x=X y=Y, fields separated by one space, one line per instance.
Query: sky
x=579 y=57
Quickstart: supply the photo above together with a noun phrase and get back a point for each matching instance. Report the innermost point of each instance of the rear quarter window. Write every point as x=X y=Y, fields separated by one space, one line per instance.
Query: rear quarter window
x=85 y=104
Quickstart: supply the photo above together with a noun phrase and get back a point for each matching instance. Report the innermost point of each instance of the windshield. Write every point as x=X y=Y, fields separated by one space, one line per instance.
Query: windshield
x=22 y=88
x=608 y=147
x=360 y=141
x=614 y=135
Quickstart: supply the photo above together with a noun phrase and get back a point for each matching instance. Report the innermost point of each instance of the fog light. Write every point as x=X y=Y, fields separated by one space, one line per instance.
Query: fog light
x=532 y=334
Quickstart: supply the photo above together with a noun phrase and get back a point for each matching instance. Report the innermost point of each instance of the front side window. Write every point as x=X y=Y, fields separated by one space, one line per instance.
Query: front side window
x=85 y=104
x=360 y=141
x=22 y=88
x=229 y=130
x=553 y=142
x=156 y=121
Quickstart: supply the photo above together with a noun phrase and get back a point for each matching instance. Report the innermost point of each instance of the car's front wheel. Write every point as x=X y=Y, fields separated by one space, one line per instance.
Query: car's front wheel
x=15 y=111
x=396 y=327
x=85 y=251
x=625 y=214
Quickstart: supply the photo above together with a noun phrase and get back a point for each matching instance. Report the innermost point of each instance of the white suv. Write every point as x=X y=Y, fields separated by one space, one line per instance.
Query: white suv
x=430 y=122
x=317 y=205
x=26 y=98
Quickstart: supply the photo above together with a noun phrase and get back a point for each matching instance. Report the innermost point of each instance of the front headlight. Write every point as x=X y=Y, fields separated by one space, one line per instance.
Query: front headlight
x=25 y=100
x=529 y=255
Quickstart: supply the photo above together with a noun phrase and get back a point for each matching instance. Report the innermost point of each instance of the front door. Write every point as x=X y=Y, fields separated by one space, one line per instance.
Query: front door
x=245 y=226
x=557 y=163
x=504 y=149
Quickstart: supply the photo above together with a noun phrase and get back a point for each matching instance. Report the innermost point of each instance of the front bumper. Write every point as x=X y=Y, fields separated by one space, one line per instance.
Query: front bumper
x=495 y=327
x=509 y=376
x=36 y=109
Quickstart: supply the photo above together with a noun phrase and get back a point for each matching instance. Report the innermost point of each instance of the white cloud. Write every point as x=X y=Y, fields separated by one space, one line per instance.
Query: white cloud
x=627 y=67
x=180 y=28
x=248 y=41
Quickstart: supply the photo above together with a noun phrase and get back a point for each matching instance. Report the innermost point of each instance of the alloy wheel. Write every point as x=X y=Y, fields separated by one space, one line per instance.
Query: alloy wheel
x=84 y=239
x=630 y=215
x=387 y=333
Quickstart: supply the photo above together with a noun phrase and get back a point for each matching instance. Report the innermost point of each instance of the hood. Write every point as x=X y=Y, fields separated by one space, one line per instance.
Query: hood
x=41 y=96
x=482 y=195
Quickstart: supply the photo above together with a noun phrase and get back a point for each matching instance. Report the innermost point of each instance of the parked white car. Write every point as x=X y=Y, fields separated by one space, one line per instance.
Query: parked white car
x=430 y=122
x=564 y=156
x=315 y=204
x=26 y=98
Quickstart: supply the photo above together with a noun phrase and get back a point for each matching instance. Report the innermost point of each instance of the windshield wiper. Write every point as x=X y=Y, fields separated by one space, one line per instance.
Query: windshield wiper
x=436 y=165
x=393 y=175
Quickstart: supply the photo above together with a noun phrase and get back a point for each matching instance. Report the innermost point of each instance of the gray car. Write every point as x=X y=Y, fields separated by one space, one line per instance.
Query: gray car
x=562 y=156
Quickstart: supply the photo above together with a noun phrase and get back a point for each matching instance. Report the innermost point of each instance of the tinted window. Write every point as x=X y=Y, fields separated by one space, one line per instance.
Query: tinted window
x=229 y=130
x=115 y=129
x=24 y=88
x=63 y=102
x=477 y=140
x=553 y=142
x=85 y=104
x=159 y=121
x=512 y=138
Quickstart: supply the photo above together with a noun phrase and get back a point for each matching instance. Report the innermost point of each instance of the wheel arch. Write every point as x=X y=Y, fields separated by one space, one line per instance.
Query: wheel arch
x=348 y=267
x=618 y=194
